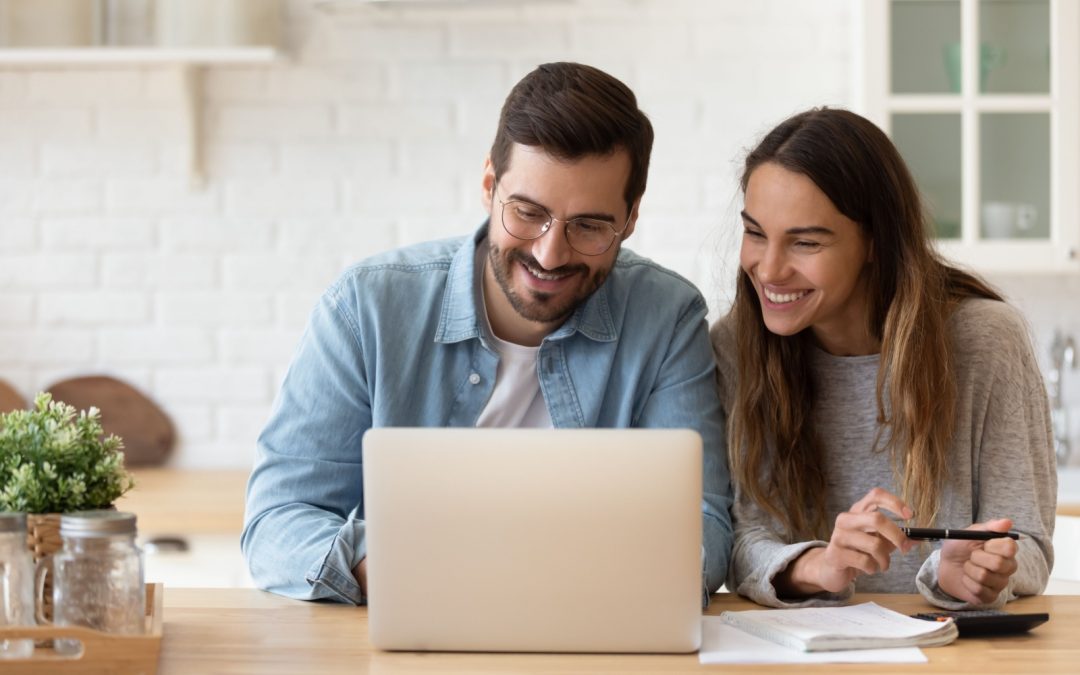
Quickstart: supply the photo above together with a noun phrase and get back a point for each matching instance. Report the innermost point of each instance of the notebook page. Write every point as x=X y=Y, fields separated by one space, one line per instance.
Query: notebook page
x=865 y=625
x=868 y=620
x=723 y=643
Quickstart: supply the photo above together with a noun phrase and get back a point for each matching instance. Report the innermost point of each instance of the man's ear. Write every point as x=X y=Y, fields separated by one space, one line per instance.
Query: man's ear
x=633 y=220
x=487 y=184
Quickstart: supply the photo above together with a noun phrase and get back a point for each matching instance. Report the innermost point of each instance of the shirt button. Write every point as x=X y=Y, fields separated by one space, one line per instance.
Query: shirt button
x=474 y=379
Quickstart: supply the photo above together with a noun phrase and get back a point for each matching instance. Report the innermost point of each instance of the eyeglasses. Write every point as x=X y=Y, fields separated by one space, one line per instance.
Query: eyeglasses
x=587 y=236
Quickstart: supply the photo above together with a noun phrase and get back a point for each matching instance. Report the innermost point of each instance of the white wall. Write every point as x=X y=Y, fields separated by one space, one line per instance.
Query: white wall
x=371 y=136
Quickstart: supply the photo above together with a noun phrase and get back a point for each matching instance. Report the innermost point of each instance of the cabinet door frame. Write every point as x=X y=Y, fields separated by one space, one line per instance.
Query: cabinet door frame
x=1061 y=251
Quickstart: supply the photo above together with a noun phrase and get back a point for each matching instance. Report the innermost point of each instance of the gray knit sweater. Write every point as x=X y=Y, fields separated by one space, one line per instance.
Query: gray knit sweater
x=1002 y=464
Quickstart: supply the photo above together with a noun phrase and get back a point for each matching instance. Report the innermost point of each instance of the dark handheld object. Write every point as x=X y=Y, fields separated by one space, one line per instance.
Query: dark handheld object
x=976 y=622
x=933 y=534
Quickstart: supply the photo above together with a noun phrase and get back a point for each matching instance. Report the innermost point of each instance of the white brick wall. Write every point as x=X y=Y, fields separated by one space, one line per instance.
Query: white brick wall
x=370 y=136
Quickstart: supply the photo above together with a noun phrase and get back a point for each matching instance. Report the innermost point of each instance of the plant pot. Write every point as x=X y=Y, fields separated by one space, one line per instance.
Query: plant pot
x=43 y=539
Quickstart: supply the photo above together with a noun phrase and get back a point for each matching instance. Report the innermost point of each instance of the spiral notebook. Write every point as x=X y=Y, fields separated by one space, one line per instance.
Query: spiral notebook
x=864 y=626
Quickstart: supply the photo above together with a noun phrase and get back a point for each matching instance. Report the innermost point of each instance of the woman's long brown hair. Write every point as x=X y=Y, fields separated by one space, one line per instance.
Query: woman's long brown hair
x=776 y=457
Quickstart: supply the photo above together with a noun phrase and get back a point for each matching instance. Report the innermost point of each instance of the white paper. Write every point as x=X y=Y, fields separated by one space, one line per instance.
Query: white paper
x=722 y=643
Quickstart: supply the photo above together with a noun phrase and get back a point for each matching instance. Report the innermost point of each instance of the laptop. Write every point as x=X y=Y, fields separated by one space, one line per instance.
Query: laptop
x=533 y=540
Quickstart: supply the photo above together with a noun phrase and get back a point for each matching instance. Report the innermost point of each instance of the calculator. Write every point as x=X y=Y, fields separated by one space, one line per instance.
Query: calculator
x=977 y=622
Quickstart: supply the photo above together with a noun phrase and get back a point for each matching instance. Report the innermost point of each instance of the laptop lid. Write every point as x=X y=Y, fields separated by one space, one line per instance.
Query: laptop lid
x=545 y=540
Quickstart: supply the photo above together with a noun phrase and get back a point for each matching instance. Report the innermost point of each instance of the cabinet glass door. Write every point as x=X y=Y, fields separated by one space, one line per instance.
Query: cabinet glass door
x=1014 y=175
x=930 y=145
x=925 y=46
x=982 y=99
x=1014 y=43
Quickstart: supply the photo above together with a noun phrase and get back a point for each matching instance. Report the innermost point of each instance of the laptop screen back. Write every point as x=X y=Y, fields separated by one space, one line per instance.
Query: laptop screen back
x=533 y=540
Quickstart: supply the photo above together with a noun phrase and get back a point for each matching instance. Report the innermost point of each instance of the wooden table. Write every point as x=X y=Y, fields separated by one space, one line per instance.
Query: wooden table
x=232 y=631
x=187 y=501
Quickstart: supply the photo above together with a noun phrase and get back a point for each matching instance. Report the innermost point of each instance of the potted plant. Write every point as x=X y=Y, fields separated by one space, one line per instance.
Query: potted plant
x=55 y=460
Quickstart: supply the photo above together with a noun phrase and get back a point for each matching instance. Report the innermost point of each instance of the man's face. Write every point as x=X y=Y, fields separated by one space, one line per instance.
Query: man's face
x=541 y=281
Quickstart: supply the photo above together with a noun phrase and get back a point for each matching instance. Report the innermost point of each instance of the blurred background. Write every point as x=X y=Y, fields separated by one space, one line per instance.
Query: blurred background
x=180 y=179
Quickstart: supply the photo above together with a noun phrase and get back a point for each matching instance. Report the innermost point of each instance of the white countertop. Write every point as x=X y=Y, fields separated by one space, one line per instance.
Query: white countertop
x=1069 y=485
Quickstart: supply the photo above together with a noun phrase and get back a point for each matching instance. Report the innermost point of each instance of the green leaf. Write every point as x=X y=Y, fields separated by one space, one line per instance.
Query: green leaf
x=54 y=459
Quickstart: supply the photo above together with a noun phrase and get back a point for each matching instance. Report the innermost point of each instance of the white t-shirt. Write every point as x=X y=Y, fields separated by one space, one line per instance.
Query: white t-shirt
x=516 y=401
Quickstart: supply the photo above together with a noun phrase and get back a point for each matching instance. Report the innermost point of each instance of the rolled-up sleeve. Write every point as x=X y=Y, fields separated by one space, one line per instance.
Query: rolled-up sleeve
x=303 y=524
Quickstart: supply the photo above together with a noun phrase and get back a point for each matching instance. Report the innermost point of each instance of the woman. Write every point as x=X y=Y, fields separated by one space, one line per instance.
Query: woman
x=867 y=382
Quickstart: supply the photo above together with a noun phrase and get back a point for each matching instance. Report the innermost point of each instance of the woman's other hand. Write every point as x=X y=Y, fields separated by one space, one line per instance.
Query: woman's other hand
x=977 y=571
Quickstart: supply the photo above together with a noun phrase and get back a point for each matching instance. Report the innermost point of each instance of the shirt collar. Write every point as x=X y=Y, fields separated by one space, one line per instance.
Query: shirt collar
x=459 y=319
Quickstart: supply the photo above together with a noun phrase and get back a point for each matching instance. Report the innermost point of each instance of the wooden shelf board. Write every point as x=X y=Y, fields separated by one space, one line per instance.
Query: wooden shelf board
x=138 y=55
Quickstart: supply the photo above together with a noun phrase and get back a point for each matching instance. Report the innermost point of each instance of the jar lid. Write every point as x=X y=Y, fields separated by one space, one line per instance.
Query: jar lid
x=103 y=523
x=12 y=521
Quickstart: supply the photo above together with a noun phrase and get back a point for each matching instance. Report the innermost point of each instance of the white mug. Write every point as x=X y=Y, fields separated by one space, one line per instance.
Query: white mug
x=1002 y=220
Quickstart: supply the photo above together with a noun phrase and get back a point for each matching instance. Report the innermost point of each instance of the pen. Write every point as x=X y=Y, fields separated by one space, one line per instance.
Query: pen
x=933 y=534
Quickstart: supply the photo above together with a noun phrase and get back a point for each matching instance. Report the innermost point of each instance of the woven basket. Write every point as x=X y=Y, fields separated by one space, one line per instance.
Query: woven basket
x=43 y=538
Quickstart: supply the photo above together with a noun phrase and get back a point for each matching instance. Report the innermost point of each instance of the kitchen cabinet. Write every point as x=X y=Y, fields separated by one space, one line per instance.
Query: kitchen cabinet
x=982 y=97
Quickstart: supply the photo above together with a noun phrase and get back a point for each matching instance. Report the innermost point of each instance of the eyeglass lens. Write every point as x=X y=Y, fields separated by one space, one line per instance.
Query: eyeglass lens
x=588 y=236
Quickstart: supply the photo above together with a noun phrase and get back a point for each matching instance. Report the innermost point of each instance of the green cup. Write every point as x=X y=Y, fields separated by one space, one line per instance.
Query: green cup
x=990 y=57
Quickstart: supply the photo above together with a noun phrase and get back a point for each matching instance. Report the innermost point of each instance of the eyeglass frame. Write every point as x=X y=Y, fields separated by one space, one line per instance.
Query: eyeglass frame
x=552 y=219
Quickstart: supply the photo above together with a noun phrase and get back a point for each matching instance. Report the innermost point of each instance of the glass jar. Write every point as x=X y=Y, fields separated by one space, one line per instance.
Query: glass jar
x=98 y=575
x=16 y=584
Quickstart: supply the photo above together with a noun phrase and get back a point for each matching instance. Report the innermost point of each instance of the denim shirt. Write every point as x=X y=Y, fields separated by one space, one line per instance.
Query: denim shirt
x=397 y=341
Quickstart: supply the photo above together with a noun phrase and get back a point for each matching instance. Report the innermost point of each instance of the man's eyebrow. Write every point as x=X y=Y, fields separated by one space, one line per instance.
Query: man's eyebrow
x=515 y=197
x=796 y=231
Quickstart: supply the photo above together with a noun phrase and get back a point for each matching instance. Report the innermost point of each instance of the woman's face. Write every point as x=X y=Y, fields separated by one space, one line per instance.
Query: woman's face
x=807 y=261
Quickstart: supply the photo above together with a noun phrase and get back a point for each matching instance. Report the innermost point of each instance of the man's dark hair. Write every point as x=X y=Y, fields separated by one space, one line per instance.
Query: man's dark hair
x=573 y=110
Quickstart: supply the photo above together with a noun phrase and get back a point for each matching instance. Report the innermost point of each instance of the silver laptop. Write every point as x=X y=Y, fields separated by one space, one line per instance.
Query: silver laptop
x=533 y=540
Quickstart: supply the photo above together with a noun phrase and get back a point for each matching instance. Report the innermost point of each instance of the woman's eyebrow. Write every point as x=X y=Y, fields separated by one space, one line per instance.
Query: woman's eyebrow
x=747 y=217
x=810 y=229
x=796 y=231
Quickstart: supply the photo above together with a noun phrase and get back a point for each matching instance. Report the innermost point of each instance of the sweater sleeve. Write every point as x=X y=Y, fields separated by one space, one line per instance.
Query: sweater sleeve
x=760 y=554
x=1013 y=466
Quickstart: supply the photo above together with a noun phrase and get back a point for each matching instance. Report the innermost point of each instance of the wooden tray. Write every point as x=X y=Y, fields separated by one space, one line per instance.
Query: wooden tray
x=101 y=653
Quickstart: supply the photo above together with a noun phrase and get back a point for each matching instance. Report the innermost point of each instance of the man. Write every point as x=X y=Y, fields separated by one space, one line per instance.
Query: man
x=539 y=319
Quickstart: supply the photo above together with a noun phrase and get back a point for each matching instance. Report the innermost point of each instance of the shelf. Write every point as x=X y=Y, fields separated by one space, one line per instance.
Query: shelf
x=134 y=56
x=932 y=103
x=346 y=6
x=188 y=63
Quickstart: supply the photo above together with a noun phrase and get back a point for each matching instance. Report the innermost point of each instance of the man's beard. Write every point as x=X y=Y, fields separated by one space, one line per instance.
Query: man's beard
x=536 y=306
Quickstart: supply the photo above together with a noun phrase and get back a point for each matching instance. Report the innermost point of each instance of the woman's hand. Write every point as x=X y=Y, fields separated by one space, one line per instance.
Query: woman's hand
x=977 y=571
x=862 y=542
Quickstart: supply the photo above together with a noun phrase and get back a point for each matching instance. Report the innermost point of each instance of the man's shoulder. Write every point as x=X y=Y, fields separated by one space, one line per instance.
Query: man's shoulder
x=636 y=278
x=416 y=263
x=425 y=255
